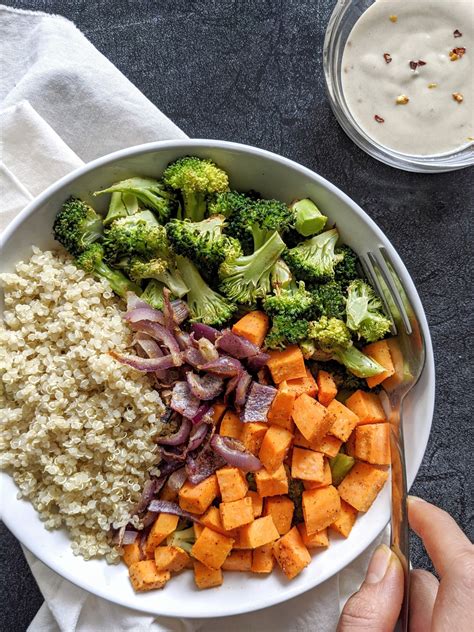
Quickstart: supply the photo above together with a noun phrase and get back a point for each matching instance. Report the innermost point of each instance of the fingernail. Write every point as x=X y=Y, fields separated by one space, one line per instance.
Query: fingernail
x=378 y=564
x=414 y=499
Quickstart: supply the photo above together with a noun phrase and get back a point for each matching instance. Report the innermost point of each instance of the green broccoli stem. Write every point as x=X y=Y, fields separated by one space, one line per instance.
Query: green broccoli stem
x=340 y=465
x=118 y=281
x=121 y=205
x=195 y=205
x=358 y=363
x=174 y=282
x=191 y=277
x=308 y=218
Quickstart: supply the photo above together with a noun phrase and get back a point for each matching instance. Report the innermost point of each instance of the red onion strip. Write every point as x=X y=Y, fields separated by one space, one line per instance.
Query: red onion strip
x=235 y=454
x=165 y=506
x=148 y=365
x=178 y=437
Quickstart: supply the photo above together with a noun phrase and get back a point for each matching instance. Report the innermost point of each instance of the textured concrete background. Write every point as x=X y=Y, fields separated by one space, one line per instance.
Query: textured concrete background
x=251 y=71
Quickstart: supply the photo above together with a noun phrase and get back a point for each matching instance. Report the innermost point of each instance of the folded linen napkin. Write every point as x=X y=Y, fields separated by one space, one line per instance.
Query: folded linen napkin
x=63 y=104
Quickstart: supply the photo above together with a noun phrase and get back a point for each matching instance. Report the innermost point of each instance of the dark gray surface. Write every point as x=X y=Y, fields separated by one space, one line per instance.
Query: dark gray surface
x=251 y=71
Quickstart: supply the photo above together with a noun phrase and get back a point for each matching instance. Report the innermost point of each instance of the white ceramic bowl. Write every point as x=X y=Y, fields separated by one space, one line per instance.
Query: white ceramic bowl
x=273 y=176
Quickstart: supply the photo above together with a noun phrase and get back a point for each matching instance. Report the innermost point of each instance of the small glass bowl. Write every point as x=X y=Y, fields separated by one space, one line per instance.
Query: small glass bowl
x=345 y=15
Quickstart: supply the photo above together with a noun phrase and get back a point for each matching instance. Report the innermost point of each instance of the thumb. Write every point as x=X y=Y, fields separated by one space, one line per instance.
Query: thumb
x=376 y=606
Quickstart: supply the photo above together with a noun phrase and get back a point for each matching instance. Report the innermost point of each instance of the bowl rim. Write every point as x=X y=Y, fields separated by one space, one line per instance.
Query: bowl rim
x=186 y=146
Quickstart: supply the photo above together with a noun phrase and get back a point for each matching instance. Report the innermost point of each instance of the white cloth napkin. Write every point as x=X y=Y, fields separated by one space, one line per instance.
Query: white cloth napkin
x=63 y=104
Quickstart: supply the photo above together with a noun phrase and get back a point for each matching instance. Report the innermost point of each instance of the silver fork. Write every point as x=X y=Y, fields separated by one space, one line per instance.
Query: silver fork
x=408 y=354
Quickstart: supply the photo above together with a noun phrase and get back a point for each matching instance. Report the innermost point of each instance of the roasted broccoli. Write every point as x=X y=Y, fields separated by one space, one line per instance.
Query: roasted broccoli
x=364 y=312
x=295 y=492
x=291 y=302
x=205 y=305
x=229 y=202
x=329 y=300
x=185 y=538
x=138 y=235
x=329 y=333
x=308 y=218
x=77 y=226
x=203 y=242
x=121 y=205
x=153 y=294
x=281 y=277
x=163 y=270
x=340 y=465
x=91 y=261
x=344 y=379
x=150 y=192
x=197 y=179
x=349 y=268
x=314 y=260
x=285 y=331
x=247 y=278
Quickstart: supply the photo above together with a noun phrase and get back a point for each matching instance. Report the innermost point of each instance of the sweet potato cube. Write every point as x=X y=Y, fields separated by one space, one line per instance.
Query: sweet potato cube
x=212 y=548
x=238 y=561
x=271 y=484
x=327 y=478
x=145 y=576
x=218 y=409
x=212 y=519
x=170 y=558
x=205 y=577
x=257 y=503
x=343 y=420
x=252 y=435
x=361 y=486
x=329 y=445
x=287 y=364
x=259 y=532
x=163 y=526
x=311 y=418
x=291 y=553
x=372 y=443
x=232 y=483
x=236 y=513
x=198 y=529
x=197 y=498
x=275 y=445
x=320 y=508
x=307 y=465
x=282 y=407
x=231 y=426
x=306 y=384
x=316 y=540
x=132 y=553
x=281 y=509
x=380 y=352
x=345 y=520
x=262 y=559
x=254 y=326
x=367 y=407
x=327 y=389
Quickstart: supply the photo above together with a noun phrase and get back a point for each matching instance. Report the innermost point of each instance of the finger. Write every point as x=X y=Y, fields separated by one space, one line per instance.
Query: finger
x=423 y=591
x=376 y=606
x=443 y=539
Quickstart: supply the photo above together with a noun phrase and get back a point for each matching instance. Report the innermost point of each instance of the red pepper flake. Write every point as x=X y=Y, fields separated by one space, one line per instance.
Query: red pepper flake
x=457 y=53
x=413 y=65
x=379 y=119
x=457 y=33
x=387 y=57
x=421 y=63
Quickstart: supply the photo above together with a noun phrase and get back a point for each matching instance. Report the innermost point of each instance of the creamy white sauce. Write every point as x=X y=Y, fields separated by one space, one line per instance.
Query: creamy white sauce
x=433 y=121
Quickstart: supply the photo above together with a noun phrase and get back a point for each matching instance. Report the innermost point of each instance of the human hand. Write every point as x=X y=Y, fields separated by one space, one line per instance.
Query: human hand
x=435 y=606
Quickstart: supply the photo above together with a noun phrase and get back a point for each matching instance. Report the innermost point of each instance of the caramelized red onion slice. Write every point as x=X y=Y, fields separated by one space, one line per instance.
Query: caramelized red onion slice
x=180 y=311
x=224 y=366
x=183 y=401
x=258 y=402
x=177 y=480
x=236 y=346
x=134 y=302
x=206 y=387
x=147 y=365
x=205 y=331
x=147 y=495
x=179 y=437
x=165 y=506
x=205 y=463
x=241 y=390
x=129 y=537
x=207 y=349
x=257 y=362
x=144 y=313
x=231 y=386
x=202 y=412
x=235 y=454
x=184 y=340
x=196 y=437
x=194 y=357
x=158 y=332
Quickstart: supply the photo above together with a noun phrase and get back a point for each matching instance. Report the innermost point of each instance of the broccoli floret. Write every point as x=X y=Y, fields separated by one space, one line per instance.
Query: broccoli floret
x=150 y=192
x=308 y=218
x=285 y=331
x=344 y=380
x=340 y=465
x=329 y=333
x=203 y=242
x=314 y=260
x=153 y=294
x=281 y=277
x=245 y=279
x=291 y=302
x=329 y=300
x=77 y=226
x=197 y=179
x=364 y=312
x=121 y=205
x=205 y=305
x=349 y=268
x=254 y=223
x=162 y=270
x=295 y=492
x=229 y=202
x=250 y=476
x=139 y=235
x=91 y=261
x=184 y=539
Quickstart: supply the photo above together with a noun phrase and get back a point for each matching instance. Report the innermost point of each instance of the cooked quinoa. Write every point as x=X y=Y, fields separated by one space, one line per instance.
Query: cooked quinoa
x=76 y=426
